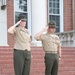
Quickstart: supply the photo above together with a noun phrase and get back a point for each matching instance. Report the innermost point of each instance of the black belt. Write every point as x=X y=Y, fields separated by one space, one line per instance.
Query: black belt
x=21 y=50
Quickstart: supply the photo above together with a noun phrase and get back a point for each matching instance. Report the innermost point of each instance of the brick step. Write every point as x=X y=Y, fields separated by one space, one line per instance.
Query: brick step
x=68 y=57
x=67 y=61
x=38 y=61
x=36 y=66
x=63 y=57
x=66 y=64
x=66 y=73
x=66 y=68
x=68 y=53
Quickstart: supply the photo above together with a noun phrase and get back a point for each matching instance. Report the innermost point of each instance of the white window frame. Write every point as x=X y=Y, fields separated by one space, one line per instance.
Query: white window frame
x=61 y=15
x=28 y=12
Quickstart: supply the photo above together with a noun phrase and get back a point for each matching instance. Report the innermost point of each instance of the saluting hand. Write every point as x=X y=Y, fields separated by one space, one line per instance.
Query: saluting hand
x=18 y=23
x=45 y=29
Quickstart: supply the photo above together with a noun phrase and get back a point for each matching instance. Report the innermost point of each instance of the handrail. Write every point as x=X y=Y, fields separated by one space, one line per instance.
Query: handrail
x=67 y=38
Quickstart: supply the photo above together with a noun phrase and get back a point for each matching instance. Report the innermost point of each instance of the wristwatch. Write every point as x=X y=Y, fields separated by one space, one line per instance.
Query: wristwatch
x=59 y=56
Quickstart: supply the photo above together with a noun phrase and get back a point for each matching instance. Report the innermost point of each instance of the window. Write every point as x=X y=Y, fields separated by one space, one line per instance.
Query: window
x=23 y=7
x=55 y=13
x=54 y=6
x=17 y=14
x=57 y=21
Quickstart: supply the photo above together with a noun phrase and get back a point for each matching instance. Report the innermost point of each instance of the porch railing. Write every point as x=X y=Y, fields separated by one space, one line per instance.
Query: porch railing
x=67 y=38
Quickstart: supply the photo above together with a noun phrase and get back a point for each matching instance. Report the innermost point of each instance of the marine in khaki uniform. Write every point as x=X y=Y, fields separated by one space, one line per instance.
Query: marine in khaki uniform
x=52 y=47
x=22 y=51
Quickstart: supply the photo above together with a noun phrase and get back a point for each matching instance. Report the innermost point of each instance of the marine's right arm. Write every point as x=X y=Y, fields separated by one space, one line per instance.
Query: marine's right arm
x=38 y=35
x=11 y=29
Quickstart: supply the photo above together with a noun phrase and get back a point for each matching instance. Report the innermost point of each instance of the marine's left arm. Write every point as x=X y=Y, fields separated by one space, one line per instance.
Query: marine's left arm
x=59 y=51
x=59 y=46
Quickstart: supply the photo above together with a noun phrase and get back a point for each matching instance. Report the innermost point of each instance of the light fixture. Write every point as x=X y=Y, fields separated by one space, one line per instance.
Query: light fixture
x=3 y=4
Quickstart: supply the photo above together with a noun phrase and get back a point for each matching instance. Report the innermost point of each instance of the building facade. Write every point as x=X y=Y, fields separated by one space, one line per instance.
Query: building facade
x=38 y=13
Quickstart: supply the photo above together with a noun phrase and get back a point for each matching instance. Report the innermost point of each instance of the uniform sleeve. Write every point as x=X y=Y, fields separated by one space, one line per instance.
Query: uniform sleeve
x=41 y=37
x=15 y=30
x=59 y=43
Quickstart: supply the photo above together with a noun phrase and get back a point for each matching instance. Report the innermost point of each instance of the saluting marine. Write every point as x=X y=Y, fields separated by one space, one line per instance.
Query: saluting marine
x=52 y=47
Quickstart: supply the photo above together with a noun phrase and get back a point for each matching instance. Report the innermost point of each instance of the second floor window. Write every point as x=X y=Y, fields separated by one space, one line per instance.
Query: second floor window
x=54 y=12
x=21 y=9
x=23 y=5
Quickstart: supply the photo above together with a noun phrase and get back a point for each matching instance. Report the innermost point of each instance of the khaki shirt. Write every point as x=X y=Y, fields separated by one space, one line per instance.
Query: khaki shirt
x=50 y=42
x=22 y=39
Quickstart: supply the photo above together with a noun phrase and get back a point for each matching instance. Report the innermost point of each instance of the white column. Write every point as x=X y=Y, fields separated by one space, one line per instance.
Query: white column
x=29 y=15
x=3 y=27
x=39 y=18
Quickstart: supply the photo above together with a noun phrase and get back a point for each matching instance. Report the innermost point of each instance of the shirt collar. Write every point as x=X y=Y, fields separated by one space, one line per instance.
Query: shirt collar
x=21 y=29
